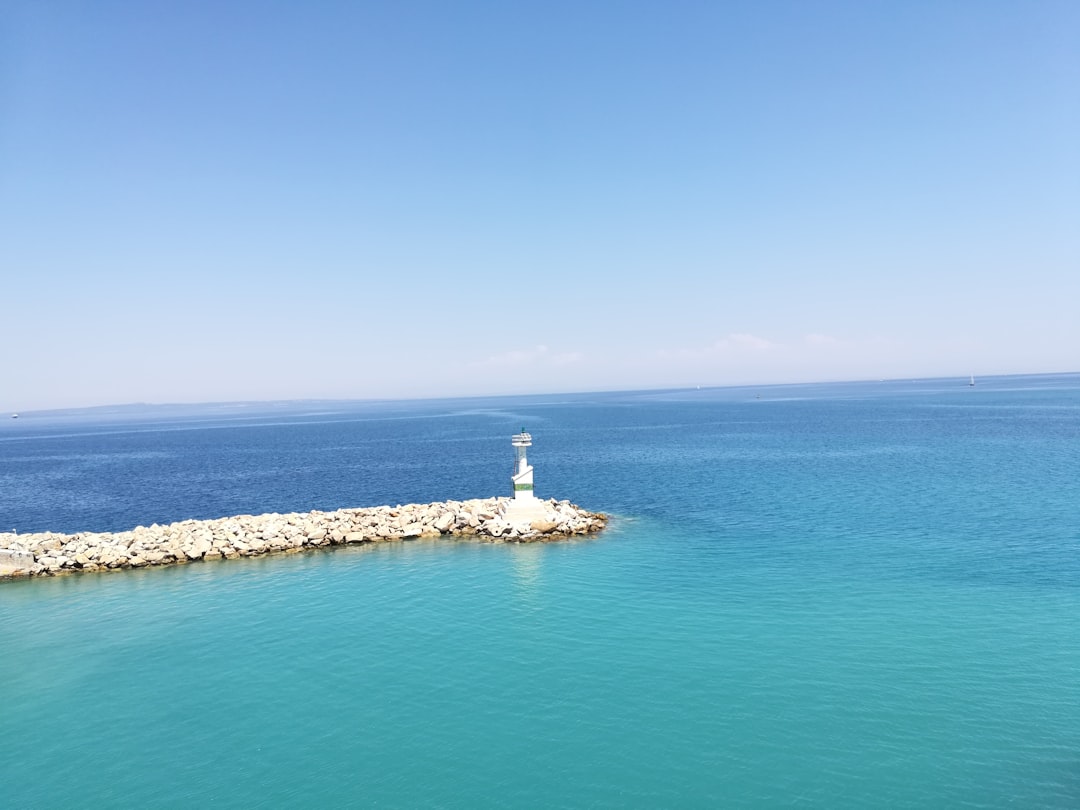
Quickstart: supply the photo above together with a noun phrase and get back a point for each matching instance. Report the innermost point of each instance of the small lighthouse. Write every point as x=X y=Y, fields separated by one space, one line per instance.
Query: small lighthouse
x=523 y=471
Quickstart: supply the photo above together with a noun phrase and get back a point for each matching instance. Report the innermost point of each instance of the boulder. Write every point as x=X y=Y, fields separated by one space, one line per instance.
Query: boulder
x=13 y=558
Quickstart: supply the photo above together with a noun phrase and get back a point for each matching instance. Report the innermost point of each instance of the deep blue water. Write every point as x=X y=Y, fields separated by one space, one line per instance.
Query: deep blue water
x=841 y=595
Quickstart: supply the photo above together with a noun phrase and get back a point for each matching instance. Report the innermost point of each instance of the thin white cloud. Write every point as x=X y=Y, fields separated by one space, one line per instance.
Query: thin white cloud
x=817 y=339
x=735 y=344
x=743 y=341
x=566 y=358
x=526 y=358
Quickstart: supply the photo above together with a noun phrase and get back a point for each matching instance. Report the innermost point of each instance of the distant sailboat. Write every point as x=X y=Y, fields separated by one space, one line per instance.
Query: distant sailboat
x=972 y=383
x=14 y=416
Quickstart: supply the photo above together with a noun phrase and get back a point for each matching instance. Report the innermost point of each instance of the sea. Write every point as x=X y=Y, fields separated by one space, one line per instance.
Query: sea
x=835 y=595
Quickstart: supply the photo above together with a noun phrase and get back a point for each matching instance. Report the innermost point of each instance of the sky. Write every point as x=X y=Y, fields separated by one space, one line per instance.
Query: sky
x=223 y=201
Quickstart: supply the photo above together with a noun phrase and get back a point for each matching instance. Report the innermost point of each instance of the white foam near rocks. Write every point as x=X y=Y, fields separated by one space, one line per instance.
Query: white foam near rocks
x=496 y=519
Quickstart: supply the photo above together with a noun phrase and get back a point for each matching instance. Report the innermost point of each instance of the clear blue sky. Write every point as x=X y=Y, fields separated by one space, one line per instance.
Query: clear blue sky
x=232 y=201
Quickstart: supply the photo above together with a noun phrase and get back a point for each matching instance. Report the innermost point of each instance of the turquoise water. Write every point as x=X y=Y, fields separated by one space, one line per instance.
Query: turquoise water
x=842 y=596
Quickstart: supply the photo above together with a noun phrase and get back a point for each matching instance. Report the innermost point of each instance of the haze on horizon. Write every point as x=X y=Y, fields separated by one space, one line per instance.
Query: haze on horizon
x=241 y=201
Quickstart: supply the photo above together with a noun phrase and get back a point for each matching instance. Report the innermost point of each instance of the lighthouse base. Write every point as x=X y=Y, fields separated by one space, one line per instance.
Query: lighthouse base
x=522 y=511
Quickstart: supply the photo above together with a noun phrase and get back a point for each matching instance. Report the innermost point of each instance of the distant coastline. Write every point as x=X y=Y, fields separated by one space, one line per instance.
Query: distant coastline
x=252 y=408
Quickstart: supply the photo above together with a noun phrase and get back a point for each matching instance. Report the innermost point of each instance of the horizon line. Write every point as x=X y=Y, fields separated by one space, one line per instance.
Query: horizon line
x=661 y=389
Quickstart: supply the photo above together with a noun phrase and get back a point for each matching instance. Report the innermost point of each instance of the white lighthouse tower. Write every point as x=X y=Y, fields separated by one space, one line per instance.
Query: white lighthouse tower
x=523 y=471
x=524 y=507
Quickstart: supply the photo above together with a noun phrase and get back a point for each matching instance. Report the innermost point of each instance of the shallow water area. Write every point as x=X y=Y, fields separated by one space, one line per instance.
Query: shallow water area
x=844 y=596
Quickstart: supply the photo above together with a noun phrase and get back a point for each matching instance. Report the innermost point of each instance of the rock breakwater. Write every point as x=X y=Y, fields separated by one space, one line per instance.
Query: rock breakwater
x=492 y=519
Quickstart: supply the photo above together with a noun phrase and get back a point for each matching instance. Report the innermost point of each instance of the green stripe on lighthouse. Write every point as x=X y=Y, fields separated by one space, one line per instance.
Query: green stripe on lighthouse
x=522 y=487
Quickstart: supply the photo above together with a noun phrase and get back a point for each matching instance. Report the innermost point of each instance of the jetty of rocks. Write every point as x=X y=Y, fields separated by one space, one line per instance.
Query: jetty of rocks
x=491 y=519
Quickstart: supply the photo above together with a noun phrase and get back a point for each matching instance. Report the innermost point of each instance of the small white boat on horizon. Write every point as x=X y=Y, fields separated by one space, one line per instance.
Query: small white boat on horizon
x=972 y=383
